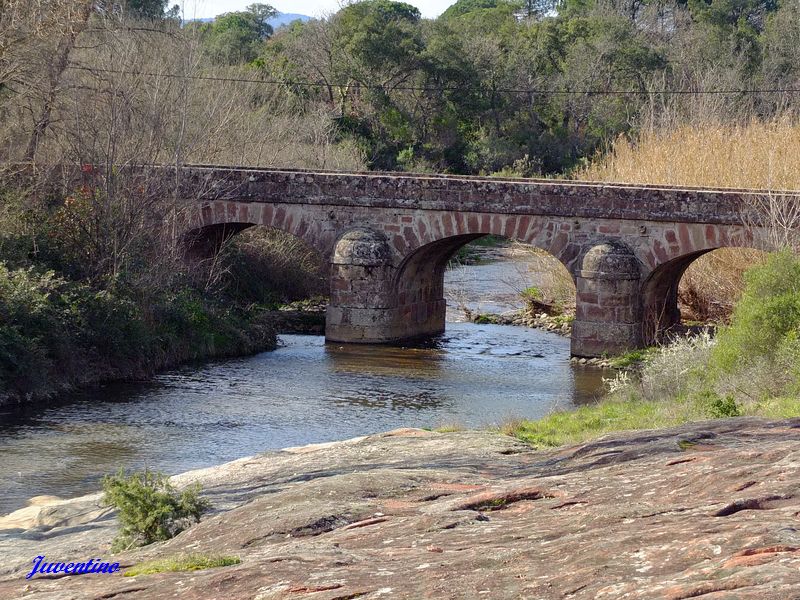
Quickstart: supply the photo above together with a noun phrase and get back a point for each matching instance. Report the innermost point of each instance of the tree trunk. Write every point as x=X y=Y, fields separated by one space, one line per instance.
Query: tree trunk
x=58 y=65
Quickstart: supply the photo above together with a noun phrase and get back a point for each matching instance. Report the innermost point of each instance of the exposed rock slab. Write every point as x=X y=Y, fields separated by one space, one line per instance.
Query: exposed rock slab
x=707 y=511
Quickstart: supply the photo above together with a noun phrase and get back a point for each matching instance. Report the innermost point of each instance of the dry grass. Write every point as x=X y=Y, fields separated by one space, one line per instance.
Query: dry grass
x=714 y=282
x=556 y=283
x=754 y=155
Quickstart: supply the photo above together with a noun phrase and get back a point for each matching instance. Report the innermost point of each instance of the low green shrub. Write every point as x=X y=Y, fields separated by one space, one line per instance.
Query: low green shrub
x=766 y=321
x=150 y=509
x=720 y=408
x=632 y=358
x=531 y=293
x=192 y=562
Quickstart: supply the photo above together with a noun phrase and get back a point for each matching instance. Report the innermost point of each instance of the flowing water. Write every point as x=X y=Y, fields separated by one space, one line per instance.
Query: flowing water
x=305 y=391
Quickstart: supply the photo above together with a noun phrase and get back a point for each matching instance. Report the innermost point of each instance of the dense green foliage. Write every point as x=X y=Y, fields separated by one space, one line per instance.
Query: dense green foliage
x=73 y=311
x=766 y=321
x=235 y=37
x=149 y=508
x=527 y=88
x=58 y=334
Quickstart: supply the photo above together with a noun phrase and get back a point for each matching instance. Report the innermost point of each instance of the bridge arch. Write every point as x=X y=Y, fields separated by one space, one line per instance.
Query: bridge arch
x=433 y=234
x=213 y=222
x=661 y=290
x=428 y=243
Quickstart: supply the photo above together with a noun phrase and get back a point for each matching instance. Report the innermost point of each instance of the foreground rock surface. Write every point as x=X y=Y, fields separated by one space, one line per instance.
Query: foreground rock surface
x=707 y=511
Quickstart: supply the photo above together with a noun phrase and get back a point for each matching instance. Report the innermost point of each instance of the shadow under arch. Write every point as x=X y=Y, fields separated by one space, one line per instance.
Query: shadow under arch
x=661 y=307
x=263 y=263
x=419 y=280
x=205 y=242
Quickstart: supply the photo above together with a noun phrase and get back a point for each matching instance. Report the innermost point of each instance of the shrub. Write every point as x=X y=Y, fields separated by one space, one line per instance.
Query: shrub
x=720 y=408
x=57 y=334
x=766 y=320
x=150 y=509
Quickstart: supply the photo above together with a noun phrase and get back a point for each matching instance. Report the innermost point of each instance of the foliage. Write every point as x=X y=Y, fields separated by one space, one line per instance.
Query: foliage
x=192 y=562
x=520 y=88
x=507 y=88
x=750 y=369
x=150 y=9
x=629 y=359
x=723 y=407
x=149 y=508
x=532 y=293
x=57 y=334
x=236 y=37
x=766 y=321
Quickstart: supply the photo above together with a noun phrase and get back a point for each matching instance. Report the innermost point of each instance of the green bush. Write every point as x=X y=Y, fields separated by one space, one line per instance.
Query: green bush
x=532 y=293
x=718 y=407
x=150 y=509
x=766 y=320
x=57 y=334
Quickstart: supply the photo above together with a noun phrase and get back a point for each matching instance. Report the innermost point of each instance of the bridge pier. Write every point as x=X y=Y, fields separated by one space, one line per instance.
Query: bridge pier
x=361 y=275
x=367 y=306
x=608 y=305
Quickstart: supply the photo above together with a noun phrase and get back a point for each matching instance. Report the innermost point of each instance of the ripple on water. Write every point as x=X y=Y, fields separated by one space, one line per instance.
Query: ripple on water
x=306 y=391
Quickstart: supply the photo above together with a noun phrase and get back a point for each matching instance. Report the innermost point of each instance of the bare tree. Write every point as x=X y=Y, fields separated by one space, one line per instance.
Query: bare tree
x=773 y=220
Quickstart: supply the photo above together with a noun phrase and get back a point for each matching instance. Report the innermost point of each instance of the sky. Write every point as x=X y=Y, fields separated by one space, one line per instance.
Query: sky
x=199 y=9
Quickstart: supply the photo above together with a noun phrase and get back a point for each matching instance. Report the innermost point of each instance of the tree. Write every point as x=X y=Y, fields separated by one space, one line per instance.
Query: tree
x=262 y=13
x=146 y=9
x=462 y=7
x=237 y=37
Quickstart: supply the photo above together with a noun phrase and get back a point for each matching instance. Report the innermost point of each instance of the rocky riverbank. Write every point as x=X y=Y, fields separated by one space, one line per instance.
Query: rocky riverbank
x=705 y=510
x=560 y=324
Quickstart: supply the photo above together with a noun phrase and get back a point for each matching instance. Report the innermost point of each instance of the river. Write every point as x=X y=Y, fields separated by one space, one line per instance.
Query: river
x=305 y=391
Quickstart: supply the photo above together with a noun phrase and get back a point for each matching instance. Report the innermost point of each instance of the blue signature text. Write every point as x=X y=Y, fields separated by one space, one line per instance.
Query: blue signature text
x=93 y=565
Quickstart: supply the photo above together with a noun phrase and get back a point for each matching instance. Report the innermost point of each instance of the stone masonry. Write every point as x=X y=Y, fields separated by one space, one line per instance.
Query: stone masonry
x=388 y=236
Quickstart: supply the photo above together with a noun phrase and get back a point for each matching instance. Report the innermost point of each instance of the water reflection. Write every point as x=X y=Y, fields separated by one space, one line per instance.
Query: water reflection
x=306 y=391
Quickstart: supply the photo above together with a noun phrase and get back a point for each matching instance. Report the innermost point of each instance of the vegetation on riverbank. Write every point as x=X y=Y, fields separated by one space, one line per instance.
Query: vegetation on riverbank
x=95 y=280
x=149 y=508
x=749 y=368
x=91 y=290
x=191 y=562
x=57 y=334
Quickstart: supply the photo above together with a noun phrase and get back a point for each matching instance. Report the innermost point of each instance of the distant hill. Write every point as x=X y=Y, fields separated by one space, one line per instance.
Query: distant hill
x=279 y=21
x=286 y=18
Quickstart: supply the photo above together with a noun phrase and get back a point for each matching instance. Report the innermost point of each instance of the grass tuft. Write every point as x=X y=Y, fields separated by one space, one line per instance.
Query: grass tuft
x=192 y=562
x=449 y=428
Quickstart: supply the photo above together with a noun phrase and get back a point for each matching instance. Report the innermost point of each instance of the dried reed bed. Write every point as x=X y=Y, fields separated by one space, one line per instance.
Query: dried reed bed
x=753 y=155
x=756 y=155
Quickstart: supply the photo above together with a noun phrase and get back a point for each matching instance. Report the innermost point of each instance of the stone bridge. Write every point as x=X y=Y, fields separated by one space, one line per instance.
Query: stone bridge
x=388 y=237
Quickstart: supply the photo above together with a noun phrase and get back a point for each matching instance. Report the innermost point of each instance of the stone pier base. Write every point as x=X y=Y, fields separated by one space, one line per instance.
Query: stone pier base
x=607 y=311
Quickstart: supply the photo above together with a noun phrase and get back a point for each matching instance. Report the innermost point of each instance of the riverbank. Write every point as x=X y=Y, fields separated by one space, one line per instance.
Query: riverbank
x=669 y=513
x=58 y=335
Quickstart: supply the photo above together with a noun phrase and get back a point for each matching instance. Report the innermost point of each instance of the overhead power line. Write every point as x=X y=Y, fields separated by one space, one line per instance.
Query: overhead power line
x=412 y=88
